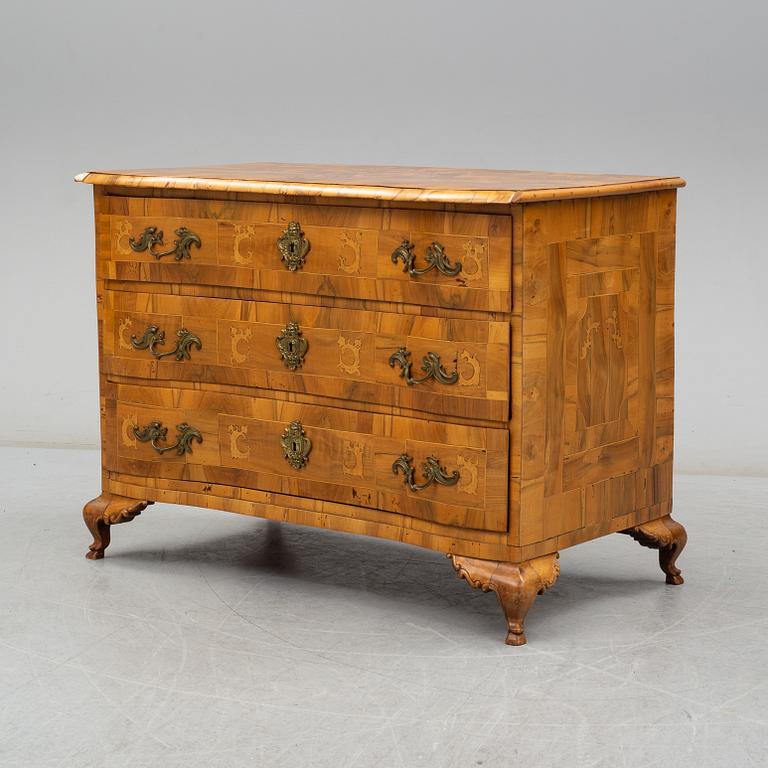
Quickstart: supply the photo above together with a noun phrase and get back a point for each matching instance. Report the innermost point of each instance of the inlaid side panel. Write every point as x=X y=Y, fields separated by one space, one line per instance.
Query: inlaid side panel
x=333 y=455
x=597 y=365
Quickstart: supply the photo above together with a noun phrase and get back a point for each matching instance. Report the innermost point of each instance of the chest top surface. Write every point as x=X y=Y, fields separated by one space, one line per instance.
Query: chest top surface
x=395 y=183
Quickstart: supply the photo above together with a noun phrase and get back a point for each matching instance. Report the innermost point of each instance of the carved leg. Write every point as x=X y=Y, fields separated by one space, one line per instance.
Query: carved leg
x=104 y=511
x=515 y=584
x=666 y=535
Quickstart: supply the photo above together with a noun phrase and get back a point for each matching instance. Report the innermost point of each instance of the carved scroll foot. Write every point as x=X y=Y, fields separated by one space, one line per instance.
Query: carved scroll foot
x=515 y=584
x=666 y=535
x=104 y=511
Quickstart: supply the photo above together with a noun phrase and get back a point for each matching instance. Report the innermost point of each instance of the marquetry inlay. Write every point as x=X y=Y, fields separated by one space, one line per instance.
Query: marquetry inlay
x=472 y=265
x=469 y=369
x=122 y=337
x=123 y=231
x=349 y=355
x=239 y=341
x=590 y=328
x=236 y=431
x=353 y=458
x=244 y=243
x=349 y=258
x=612 y=323
x=127 y=435
x=468 y=475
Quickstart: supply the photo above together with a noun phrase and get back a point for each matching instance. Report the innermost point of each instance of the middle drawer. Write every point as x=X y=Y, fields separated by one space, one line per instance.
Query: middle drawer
x=453 y=367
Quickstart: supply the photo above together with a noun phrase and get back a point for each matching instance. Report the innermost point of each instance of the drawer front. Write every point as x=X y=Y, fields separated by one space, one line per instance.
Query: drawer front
x=420 y=257
x=448 y=366
x=445 y=473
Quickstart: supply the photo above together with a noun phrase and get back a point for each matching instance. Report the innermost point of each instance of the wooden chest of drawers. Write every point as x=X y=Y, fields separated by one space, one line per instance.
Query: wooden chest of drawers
x=478 y=362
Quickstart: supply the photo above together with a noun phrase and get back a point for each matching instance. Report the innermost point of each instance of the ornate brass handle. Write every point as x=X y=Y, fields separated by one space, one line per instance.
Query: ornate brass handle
x=433 y=472
x=296 y=445
x=153 y=337
x=293 y=246
x=153 y=236
x=292 y=345
x=435 y=257
x=155 y=432
x=430 y=364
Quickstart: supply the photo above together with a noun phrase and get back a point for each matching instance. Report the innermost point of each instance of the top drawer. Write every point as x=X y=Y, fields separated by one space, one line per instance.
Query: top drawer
x=433 y=258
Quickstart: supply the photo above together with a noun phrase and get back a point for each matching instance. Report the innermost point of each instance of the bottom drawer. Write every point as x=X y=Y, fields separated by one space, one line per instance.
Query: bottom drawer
x=446 y=473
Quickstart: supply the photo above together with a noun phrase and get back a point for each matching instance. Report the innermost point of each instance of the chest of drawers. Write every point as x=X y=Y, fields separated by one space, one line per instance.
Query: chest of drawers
x=477 y=362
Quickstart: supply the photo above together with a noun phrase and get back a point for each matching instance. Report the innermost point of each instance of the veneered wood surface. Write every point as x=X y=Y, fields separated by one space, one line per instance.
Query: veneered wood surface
x=350 y=461
x=602 y=494
x=442 y=185
x=347 y=355
x=598 y=364
x=350 y=250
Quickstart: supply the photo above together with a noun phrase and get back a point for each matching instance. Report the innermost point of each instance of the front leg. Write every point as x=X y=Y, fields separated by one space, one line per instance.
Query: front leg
x=666 y=535
x=515 y=584
x=104 y=511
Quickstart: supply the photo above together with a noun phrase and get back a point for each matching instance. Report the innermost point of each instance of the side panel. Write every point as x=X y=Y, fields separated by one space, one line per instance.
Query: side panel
x=598 y=367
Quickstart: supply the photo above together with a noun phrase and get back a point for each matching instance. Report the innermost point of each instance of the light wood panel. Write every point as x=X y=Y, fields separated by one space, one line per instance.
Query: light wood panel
x=351 y=458
x=347 y=356
x=437 y=185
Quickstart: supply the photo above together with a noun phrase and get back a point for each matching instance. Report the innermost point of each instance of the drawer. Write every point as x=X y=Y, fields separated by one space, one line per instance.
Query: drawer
x=449 y=366
x=446 y=473
x=435 y=258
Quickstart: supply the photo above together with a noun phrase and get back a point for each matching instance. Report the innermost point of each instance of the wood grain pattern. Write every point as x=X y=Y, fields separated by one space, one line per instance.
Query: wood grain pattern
x=669 y=537
x=351 y=458
x=347 y=357
x=561 y=329
x=101 y=513
x=597 y=362
x=350 y=250
x=515 y=584
x=434 y=185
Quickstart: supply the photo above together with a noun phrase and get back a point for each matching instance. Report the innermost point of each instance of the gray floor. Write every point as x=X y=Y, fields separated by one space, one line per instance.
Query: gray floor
x=210 y=639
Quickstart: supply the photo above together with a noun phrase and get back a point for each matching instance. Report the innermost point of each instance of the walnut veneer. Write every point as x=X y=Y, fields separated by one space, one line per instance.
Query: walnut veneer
x=478 y=362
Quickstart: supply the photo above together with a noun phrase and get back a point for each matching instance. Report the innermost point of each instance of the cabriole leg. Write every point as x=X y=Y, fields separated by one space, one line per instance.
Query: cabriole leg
x=515 y=584
x=104 y=511
x=666 y=535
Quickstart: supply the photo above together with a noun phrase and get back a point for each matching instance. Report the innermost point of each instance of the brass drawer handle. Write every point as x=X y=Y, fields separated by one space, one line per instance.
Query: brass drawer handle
x=435 y=256
x=293 y=246
x=155 y=432
x=153 y=337
x=153 y=236
x=433 y=472
x=296 y=445
x=292 y=345
x=430 y=364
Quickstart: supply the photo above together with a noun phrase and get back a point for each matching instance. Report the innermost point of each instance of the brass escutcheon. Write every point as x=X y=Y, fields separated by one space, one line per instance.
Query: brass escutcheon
x=293 y=246
x=292 y=345
x=296 y=445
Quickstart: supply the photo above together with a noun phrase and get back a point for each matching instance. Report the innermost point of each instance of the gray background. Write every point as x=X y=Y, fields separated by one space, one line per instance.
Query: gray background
x=646 y=87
